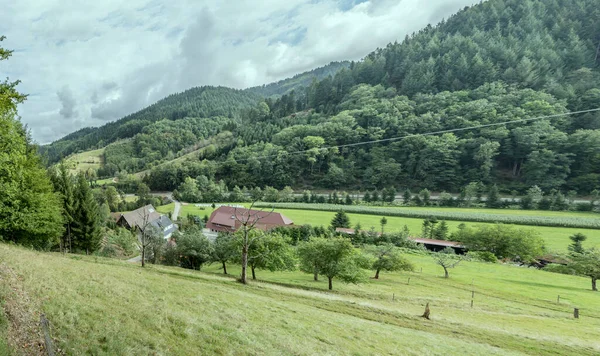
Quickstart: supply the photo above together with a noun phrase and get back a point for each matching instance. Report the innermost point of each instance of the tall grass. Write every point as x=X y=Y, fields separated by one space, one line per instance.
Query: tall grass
x=567 y=221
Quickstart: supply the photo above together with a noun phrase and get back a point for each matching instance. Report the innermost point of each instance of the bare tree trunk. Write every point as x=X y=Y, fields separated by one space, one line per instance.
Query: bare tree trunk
x=377 y=274
x=330 y=283
x=143 y=255
x=224 y=268
x=244 y=263
x=594 y=288
x=253 y=274
x=316 y=274
x=446 y=275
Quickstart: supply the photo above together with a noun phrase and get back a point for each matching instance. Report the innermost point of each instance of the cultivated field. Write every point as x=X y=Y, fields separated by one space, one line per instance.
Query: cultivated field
x=557 y=238
x=108 y=307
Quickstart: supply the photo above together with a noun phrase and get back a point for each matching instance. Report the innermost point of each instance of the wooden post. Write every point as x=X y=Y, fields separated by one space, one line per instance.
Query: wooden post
x=393 y=296
x=576 y=313
x=426 y=314
x=47 y=339
x=408 y=281
x=558 y=299
x=471 y=303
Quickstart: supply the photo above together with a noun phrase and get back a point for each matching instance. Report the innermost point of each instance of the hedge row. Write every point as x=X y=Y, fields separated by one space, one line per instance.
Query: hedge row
x=584 y=223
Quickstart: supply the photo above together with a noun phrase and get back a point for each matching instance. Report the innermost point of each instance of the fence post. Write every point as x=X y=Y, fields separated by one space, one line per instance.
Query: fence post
x=47 y=340
x=576 y=313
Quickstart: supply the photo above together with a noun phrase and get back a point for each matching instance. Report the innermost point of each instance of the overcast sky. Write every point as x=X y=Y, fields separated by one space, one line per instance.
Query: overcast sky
x=84 y=63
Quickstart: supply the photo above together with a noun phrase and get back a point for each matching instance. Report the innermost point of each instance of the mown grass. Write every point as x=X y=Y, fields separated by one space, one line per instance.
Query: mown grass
x=108 y=307
x=85 y=160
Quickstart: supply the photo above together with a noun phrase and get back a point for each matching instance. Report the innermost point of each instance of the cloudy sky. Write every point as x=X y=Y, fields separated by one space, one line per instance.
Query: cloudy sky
x=84 y=63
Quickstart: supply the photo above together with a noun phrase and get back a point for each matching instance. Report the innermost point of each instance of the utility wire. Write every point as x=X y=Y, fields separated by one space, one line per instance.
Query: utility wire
x=392 y=139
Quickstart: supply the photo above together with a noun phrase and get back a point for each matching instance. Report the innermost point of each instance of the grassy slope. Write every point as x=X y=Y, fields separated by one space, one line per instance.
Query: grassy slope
x=85 y=160
x=107 y=307
x=557 y=239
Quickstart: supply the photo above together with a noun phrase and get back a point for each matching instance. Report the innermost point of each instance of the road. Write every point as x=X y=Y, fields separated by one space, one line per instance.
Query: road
x=175 y=210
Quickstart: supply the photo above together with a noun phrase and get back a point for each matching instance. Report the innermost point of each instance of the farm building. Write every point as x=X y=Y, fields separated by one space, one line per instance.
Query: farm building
x=229 y=219
x=430 y=244
x=147 y=216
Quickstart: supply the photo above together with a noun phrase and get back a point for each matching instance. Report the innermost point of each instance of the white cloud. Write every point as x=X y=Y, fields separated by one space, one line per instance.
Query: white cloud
x=86 y=63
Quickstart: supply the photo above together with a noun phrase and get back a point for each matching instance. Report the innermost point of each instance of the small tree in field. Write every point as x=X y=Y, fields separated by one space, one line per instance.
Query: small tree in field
x=247 y=234
x=340 y=219
x=446 y=258
x=149 y=236
x=383 y=222
x=272 y=253
x=387 y=258
x=577 y=246
x=587 y=264
x=223 y=250
x=308 y=254
x=336 y=258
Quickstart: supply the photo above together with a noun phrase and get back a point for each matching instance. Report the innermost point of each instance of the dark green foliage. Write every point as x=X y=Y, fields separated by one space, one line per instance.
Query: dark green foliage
x=482 y=256
x=577 y=243
x=493 y=197
x=194 y=249
x=340 y=219
x=86 y=220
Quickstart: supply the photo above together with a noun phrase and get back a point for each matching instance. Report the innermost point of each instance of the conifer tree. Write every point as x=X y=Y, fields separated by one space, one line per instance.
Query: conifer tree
x=340 y=219
x=86 y=222
x=63 y=184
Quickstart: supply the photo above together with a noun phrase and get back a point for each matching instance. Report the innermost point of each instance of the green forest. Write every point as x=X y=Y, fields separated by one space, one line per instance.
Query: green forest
x=499 y=61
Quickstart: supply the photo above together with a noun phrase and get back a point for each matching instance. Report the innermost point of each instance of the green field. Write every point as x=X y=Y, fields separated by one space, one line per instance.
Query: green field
x=557 y=238
x=108 y=307
x=85 y=160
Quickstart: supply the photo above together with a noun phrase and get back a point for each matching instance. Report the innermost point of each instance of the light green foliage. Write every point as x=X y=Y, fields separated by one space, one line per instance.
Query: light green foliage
x=504 y=241
x=271 y=253
x=387 y=258
x=447 y=259
x=577 y=243
x=587 y=264
x=224 y=249
x=333 y=258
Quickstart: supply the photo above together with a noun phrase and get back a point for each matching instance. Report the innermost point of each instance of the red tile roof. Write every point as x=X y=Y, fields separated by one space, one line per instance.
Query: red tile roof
x=227 y=218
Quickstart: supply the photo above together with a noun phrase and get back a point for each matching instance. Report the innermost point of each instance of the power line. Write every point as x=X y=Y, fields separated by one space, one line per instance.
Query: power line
x=433 y=133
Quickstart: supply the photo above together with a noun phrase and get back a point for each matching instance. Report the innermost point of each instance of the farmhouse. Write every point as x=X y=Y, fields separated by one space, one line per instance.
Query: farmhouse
x=229 y=219
x=147 y=216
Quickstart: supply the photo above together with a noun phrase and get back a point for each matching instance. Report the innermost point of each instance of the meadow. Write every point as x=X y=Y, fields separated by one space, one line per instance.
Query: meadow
x=81 y=162
x=556 y=238
x=108 y=307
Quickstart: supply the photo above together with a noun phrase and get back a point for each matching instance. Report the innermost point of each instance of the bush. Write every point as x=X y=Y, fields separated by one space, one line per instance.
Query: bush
x=482 y=256
x=558 y=268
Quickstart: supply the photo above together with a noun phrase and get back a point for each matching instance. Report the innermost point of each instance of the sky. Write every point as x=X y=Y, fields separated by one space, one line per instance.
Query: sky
x=85 y=63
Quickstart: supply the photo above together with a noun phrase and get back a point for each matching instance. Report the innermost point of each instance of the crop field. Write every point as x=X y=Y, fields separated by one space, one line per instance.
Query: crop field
x=83 y=161
x=449 y=214
x=108 y=307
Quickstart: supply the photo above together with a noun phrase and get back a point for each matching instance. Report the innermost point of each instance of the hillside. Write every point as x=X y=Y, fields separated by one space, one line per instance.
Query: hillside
x=173 y=311
x=498 y=61
x=299 y=81
x=200 y=102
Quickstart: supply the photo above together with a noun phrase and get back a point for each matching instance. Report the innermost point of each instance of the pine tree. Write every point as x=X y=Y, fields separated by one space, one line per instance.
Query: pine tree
x=493 y=198
x=63 y=184
x=406 y=196
x=86 y=222
x=340 y=219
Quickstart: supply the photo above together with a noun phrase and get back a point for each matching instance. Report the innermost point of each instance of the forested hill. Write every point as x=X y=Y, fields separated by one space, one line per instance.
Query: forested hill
x=299 y=81
x=496 y=61
x=203 y=102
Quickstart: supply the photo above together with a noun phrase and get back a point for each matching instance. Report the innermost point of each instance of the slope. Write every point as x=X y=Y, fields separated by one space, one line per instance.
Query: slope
x=99 y=306
x=199 y=102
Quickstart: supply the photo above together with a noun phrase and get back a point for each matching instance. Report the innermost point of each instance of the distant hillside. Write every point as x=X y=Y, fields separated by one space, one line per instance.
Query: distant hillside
x=200 y=102
x=299 y=81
